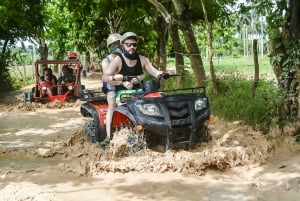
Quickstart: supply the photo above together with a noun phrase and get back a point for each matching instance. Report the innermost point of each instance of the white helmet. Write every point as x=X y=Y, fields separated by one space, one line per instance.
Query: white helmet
x=112 y=38
x=128 y=35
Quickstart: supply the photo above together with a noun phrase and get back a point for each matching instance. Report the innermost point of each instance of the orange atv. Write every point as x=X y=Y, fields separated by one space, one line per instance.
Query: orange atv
x=56 y=80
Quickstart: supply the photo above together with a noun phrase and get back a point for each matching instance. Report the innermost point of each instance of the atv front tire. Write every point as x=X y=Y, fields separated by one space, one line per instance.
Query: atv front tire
x=94 y=131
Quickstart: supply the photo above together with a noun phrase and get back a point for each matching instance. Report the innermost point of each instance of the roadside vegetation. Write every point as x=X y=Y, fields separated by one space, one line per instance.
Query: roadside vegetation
x=233 y=101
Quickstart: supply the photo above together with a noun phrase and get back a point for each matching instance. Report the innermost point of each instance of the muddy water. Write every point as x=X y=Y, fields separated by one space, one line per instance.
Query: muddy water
x=18 y=128
x=24 y=134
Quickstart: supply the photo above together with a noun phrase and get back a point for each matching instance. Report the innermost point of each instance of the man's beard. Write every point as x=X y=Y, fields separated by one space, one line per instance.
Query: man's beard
x=133 y=56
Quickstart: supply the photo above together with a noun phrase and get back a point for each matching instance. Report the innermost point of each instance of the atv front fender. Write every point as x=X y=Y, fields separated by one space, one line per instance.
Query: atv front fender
x=122 y=117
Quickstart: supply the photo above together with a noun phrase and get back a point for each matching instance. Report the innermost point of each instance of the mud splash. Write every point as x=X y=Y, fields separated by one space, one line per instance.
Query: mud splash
x=238 y=146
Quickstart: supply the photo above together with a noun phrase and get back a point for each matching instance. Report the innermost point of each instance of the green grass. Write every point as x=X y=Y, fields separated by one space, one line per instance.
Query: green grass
x=21 y=75
x=233 y=102
x=240 y=65
x=243 y=65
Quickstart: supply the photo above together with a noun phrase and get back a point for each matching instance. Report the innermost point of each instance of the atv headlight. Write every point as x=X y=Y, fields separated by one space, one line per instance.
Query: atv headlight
x=70 y=87
x=150 y=110
x=200 y=103
x=44 y=88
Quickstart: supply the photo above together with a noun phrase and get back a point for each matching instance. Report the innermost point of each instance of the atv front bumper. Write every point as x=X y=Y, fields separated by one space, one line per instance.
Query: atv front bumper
x=171 y=114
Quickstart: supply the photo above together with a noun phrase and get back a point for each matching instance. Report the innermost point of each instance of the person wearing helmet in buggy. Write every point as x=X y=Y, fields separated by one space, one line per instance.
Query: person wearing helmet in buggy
x=129 y=63
x=114 y=48
x=47 y=80
x=66 y=78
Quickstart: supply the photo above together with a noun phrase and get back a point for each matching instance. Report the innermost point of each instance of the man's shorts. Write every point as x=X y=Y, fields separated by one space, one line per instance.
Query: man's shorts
x=108 y=87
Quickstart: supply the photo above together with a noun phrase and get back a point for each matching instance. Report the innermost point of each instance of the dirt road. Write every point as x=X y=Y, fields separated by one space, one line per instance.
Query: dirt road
x=43 y=157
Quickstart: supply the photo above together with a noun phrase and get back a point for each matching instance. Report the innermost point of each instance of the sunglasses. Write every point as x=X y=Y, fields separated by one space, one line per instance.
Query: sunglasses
x=130 y=44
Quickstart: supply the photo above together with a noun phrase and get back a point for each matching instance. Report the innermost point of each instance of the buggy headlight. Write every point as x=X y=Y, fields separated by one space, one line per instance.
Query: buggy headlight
x=150 y=110
x=44 y=88
x=70 y=87
x=200 y=103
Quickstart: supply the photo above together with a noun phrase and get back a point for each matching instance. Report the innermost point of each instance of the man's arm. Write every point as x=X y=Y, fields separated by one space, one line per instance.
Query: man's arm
x=149 y=67
x=104 y=64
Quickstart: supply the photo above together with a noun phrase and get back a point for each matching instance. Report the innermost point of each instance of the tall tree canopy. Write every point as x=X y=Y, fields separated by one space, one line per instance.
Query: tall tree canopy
x=20 y=20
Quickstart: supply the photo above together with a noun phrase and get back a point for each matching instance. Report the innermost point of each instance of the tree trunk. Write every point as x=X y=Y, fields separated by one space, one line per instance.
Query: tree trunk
x=295 y=19
x=160 y=58
x=43 y=49
x=179 y=60
x=88 y=63
x=256 y=69
x=210 y=49
x=184 y=23
x=285 y=51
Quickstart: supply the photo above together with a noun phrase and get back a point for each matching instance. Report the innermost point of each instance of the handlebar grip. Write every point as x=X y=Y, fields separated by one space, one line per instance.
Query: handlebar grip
x=164 y=75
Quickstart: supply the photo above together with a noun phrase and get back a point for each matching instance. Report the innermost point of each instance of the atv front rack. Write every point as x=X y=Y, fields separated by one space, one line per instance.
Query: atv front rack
x=184 y=90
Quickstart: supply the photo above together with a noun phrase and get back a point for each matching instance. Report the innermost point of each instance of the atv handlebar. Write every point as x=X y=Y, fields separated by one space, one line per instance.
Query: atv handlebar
x=128 y=78
x=164 y=75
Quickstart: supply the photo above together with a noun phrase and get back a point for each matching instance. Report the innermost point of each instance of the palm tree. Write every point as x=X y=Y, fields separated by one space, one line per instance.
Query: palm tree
x=242 y=21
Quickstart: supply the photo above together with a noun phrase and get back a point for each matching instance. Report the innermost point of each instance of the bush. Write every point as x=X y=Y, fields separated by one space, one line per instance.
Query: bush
x=233 y=102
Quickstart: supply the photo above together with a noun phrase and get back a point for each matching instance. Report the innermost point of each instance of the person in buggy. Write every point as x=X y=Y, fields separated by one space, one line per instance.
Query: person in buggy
x=67 y=78
x=48 y=80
